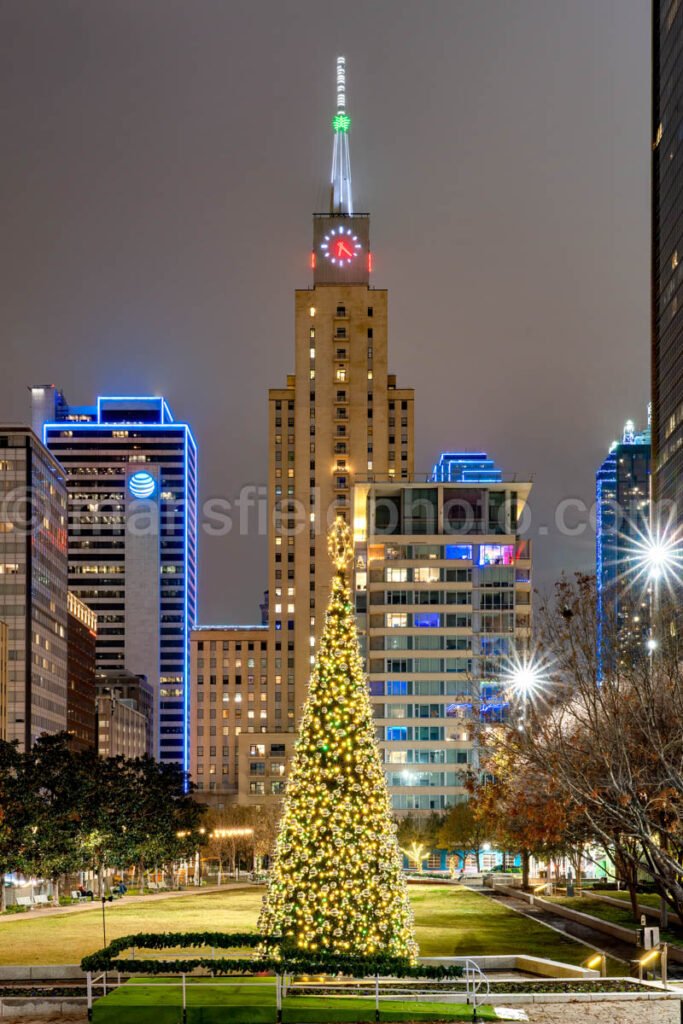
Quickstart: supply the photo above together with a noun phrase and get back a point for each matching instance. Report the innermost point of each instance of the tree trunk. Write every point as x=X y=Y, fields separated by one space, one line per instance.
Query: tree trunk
x=55 y=891
x=220 y=870
x=477 y=854
x=525 y=870
x=141 y=873
x=100 y=878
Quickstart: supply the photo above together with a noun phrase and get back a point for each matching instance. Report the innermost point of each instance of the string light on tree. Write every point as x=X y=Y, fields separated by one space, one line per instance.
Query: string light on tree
x=337 y=883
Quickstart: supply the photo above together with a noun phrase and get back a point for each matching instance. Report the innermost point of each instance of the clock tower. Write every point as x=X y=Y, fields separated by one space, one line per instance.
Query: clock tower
x=340 y=418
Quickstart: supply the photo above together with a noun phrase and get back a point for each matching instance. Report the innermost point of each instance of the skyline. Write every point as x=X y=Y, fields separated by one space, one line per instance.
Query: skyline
x=568 y=271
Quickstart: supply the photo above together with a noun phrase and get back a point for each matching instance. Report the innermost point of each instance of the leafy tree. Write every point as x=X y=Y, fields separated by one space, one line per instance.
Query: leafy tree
x=337 y=884
x=464 y=832
x=13 y=811
x=50 y=833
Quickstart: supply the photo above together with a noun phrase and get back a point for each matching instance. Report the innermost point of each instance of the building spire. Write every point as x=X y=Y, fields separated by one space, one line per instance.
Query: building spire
x=340 y=190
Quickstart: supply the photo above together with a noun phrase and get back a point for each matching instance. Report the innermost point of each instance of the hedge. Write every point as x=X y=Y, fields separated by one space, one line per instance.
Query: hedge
x=282 y=959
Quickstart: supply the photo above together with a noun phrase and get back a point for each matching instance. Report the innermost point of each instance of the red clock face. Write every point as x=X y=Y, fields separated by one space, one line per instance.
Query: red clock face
x=340 y=246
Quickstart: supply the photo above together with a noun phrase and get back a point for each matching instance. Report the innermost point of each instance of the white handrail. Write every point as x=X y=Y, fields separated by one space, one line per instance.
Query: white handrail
x=476 y=981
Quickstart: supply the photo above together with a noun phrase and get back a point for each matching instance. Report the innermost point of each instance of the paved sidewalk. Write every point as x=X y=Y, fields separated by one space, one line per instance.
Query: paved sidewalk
x=78 y=908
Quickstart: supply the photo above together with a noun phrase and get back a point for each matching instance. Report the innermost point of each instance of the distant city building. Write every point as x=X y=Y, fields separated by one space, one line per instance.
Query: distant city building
x=80 y=663
x=127 y=686
x=132 y=479
x=125 y=704
x=33 y=584
x=622 y=521
x=667 y=258
x=4 y=676
x=466 y=467
x=443 y=598
x=232 y=708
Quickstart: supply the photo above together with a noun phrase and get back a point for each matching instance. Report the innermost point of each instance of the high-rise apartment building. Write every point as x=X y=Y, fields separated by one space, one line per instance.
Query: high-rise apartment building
x=81 y=633
x=132 y=480
x=341 y=414
x=667 y=256
x=33 y=584
x=622 y=523
x=443 y=599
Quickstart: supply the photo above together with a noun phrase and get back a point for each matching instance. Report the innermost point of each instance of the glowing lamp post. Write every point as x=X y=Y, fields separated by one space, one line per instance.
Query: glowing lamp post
x=526 y=677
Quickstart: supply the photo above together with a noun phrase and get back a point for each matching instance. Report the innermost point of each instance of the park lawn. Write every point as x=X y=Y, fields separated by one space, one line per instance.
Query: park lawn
x=458 y=922
x=150 y=1001
x=450 y=921
x=648 y=899
x=615 y=915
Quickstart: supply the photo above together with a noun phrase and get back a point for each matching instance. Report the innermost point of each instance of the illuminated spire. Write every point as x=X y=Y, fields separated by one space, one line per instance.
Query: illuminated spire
x=340 y=191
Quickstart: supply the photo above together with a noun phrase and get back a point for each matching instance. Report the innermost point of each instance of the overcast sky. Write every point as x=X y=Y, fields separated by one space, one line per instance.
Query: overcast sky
x=160 y=162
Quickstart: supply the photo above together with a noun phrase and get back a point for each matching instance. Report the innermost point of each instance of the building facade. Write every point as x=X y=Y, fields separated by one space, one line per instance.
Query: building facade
x=81 y=635
x=235 y=695
x=443 y=598
x=4 y=677
x=33 y=585
x=622 y=522
x=667 y=254
x=340 y=414
x=137 y=691
x=123 y=726
x=132 y=479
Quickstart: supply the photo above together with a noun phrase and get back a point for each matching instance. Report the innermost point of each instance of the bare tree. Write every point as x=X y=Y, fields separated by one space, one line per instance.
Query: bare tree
x=610 y=739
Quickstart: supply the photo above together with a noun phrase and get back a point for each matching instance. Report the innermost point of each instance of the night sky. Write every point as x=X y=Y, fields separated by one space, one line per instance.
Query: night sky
x=160 y=160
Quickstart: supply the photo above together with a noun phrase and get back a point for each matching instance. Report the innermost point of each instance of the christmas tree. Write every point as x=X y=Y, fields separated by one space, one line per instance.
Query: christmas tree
x=337 y=883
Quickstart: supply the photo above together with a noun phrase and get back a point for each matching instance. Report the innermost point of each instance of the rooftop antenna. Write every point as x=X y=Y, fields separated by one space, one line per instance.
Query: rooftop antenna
x=340 y=185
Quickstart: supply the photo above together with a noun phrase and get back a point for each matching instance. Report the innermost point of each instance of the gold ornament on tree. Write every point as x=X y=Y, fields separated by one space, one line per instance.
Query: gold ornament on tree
x=339 y=544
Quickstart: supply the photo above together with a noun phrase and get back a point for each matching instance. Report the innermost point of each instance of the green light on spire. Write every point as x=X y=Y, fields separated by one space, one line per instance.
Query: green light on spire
x=341 y=122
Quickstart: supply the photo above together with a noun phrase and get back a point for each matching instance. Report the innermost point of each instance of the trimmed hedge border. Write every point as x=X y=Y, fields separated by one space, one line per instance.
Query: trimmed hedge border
x=282 y=959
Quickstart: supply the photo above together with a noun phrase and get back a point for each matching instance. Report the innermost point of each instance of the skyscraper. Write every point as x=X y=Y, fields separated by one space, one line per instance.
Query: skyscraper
x=667 y=254
x=33 y=584
x=340 y=414
x=622 y=518
x=132 y=480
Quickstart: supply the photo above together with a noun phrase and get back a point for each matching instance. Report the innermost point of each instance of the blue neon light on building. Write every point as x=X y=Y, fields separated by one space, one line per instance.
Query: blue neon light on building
x=117 y=452
x=622 y=493
x=466 y=468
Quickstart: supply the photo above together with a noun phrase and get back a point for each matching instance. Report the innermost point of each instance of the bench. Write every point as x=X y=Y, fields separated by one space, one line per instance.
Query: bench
x=24 y=901
x=41 y=901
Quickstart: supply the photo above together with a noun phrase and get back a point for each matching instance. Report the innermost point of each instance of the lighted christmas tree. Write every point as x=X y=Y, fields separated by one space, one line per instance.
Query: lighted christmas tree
x=337 y=883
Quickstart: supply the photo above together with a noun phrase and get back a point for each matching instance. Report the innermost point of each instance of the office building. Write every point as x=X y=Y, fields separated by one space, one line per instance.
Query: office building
x=132 y=480
x=81 y=649
x=237 y=698
x=667 y=254
x=137 y=691
x=443 y=598
x=622 y=522
x=33 y=584
x=124 y=705
x=340 y=414
x=4 y=675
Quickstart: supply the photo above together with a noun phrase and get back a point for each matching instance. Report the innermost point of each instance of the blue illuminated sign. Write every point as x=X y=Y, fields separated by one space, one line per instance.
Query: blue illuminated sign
x=142 y=485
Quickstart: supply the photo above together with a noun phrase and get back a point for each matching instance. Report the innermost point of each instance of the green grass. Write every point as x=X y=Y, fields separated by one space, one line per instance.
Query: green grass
x=615 y=915
x=648 y=899
x=450 y=921
x=148 y=1001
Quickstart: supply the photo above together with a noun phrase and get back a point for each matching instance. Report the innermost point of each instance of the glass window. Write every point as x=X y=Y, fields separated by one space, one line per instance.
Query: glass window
x=427 y=620
x=460 y=551
x=397 y=733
